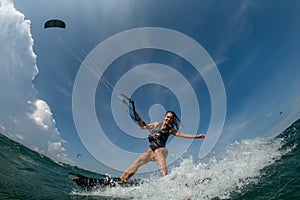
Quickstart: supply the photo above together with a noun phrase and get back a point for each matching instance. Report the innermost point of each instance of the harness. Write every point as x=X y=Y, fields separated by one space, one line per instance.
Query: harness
x=158 y=137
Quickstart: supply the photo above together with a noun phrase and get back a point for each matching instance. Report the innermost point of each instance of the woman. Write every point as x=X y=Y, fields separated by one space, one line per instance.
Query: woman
x=159 y=133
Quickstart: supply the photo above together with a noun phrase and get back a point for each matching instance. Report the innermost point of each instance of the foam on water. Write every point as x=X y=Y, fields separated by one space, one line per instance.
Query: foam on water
x=229 y=172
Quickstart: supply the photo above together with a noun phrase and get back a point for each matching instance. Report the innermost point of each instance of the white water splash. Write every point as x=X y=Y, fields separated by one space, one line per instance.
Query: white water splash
x=237 y=167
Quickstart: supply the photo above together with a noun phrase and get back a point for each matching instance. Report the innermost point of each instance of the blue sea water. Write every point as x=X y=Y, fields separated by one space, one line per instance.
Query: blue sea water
x=260 y=168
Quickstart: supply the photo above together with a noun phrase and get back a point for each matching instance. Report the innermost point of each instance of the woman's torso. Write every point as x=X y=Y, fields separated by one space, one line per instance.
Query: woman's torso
x=158 y=136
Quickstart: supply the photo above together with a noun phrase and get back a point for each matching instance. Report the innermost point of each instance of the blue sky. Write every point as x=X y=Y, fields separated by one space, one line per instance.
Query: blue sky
x=254 y=45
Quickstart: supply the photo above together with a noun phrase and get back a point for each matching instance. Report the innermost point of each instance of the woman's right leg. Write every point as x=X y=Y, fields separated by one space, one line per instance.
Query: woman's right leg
x=141 y=160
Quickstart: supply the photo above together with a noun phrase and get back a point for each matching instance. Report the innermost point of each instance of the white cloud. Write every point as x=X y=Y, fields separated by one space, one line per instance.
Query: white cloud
x=19 y=136
x=23 y=117
x=55 y=146
x=42 y=115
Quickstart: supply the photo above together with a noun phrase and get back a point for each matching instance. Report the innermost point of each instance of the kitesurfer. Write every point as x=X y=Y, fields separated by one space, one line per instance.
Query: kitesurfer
x=157 y=151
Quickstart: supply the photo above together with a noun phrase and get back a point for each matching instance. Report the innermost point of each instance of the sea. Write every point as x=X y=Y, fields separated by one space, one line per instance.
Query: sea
x=259 y=168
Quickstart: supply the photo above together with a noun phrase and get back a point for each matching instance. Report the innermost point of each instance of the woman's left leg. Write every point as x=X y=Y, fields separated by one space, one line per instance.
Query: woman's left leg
x=160 y=157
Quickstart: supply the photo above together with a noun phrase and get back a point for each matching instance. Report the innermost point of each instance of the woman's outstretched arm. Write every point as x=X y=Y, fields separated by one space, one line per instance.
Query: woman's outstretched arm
x=185 y=135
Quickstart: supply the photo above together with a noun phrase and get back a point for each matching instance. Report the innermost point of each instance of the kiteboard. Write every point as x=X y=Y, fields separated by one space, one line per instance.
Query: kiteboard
x=94 y=183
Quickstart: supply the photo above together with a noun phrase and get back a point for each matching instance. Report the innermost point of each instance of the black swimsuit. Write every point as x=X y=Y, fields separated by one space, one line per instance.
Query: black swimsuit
x=158 y=137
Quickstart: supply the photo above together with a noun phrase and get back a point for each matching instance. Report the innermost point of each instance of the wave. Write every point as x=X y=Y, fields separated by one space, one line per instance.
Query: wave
x=246 y=169
x=228 y=176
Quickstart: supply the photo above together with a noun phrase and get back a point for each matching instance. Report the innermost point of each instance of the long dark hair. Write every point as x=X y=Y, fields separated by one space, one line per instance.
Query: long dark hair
x=176 y=121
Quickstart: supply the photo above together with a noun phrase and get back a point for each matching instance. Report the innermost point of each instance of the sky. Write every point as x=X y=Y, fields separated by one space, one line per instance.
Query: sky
x=227 y=68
